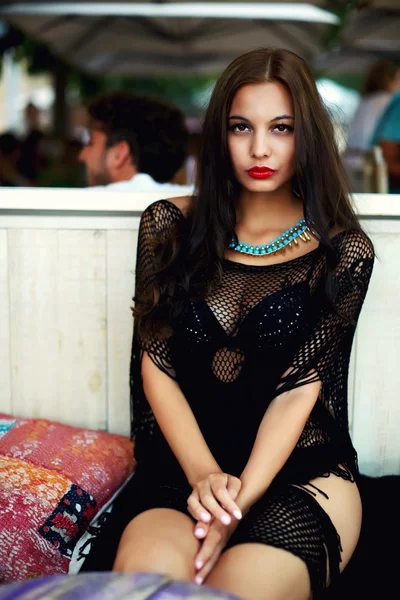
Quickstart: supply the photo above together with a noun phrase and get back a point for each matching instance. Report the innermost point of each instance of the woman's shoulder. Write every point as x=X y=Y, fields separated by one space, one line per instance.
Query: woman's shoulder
x=165 y=213
x=183 y=203
x=355 y=252
x=354 y=244
x=169 y=208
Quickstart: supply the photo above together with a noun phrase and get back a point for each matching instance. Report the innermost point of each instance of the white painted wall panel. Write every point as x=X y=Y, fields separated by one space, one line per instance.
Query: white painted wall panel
x=33 y=315
x=81 y=328
x=57 y=325
x=352 y=368
x=376 y=415
x=121 y=259
x=5 y=366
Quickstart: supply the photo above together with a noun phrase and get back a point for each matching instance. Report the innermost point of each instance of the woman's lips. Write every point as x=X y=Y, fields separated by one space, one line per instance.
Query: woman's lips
x=261 y=172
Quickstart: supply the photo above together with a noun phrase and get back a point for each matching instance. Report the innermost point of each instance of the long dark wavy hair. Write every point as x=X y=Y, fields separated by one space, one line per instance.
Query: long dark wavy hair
x=189 y=262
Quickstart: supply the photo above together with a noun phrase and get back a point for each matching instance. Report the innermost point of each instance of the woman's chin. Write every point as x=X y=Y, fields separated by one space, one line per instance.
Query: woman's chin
x=263 y=185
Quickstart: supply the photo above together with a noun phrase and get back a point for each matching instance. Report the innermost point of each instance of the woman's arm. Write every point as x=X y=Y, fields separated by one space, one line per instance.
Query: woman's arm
x=177 y=422
x=278 y=434
x=163 y=393
x=310 y=368
x=299 y=387
x=212 y=488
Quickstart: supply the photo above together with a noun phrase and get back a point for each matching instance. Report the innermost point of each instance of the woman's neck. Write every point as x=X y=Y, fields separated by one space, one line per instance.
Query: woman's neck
x=258 y=213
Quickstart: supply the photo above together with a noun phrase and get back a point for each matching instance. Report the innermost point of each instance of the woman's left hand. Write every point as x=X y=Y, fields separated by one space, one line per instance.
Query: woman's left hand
x=215 y=540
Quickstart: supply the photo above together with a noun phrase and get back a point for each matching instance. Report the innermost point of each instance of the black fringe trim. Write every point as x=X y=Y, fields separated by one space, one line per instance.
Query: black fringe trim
x=93 y=531
x=342 y=470
x=331 y=542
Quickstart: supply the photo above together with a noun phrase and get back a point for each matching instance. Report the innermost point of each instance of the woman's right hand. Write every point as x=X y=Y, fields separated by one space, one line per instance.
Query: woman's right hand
x=214 y=497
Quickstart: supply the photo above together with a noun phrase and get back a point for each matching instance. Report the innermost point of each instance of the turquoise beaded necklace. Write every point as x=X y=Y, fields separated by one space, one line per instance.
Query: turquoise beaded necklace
x=286 y=239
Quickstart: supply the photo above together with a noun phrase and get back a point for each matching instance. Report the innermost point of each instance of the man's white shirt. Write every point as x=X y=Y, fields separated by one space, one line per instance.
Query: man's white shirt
x=142 y=182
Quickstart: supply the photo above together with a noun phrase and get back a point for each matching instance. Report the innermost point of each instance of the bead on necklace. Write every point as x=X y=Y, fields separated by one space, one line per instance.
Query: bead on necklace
x=283 y=241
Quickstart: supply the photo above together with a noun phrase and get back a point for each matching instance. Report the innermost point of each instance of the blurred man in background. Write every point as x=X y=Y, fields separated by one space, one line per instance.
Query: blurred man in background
x=33 y=153
x=10 y=156
x=135 y=143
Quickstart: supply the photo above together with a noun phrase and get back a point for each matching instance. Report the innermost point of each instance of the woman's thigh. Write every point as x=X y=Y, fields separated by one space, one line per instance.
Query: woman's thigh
x=261 y=572
x=344 y=508
x=256 y=571
x=160 y=540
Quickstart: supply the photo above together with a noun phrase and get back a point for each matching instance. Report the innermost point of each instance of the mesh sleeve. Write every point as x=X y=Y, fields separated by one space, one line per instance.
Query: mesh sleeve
x=333 y=332
x=156 y=224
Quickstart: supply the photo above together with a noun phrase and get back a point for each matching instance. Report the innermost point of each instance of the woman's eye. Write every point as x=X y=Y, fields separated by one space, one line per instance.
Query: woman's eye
x=282 y=127
x=238 y=127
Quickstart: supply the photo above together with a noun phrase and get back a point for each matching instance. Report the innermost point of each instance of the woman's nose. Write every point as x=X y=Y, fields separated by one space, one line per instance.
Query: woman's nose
x=260 y=146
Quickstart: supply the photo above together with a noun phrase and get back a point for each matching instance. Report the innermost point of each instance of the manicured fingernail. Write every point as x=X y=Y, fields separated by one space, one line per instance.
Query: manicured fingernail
x=225 y=519
x=237 y=514
x=198 y=580
x=204 y=517
x=199 y=531
x=199 y=564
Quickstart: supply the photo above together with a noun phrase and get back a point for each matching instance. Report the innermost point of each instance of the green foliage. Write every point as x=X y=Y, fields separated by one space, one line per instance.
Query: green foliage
x=353 y=81
x=11 y=38
x=37 y=56
x=334 y=33
x=333 y=39
x=181 y=90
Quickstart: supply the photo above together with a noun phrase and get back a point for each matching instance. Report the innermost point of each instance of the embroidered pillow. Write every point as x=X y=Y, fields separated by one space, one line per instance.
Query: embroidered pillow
x=54 y=480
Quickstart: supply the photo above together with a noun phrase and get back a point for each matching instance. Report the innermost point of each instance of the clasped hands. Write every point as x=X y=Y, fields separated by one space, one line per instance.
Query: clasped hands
x=212 y=504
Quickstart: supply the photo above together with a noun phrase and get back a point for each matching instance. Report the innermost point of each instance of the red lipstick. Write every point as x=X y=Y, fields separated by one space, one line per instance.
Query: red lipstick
x=261 y=172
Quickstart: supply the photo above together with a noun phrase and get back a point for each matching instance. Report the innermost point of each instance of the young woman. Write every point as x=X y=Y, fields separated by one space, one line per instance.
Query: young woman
x=247 y=298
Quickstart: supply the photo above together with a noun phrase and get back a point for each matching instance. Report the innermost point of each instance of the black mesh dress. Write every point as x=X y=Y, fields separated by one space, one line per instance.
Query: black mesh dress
x=229 y=353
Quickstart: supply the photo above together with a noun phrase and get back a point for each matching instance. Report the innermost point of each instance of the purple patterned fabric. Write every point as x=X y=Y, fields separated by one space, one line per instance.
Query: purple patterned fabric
x=110 y=586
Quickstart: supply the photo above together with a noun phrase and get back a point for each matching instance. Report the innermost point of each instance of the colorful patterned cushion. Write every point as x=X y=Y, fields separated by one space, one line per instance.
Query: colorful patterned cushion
x=54 y=480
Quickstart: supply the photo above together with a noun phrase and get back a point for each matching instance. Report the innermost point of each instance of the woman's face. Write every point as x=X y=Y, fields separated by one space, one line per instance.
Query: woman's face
x=261 y=136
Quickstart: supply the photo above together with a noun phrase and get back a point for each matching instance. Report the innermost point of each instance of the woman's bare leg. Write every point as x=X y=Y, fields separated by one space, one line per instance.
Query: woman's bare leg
x=160 y=540
x=260 y=572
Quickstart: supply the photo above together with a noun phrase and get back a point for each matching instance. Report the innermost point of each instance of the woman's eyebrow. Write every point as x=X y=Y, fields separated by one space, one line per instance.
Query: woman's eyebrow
x=238 y=117
x=282 y=117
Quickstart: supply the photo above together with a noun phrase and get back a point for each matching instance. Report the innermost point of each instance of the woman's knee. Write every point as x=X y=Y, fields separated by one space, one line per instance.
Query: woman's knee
x=160 y=558
x=160 y=541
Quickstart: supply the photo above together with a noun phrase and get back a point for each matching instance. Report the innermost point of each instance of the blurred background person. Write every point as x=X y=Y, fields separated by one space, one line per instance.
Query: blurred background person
x=387 y=135
x=135 y=143
x=33 y=158
x=382 y=81
x=10 y=155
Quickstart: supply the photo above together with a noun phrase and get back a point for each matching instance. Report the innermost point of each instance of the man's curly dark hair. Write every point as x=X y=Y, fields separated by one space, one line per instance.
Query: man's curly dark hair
x=154 y=130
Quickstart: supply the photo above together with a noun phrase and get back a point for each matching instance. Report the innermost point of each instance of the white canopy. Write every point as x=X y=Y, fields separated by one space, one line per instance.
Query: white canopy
x=152 y=38
x=369 y=35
